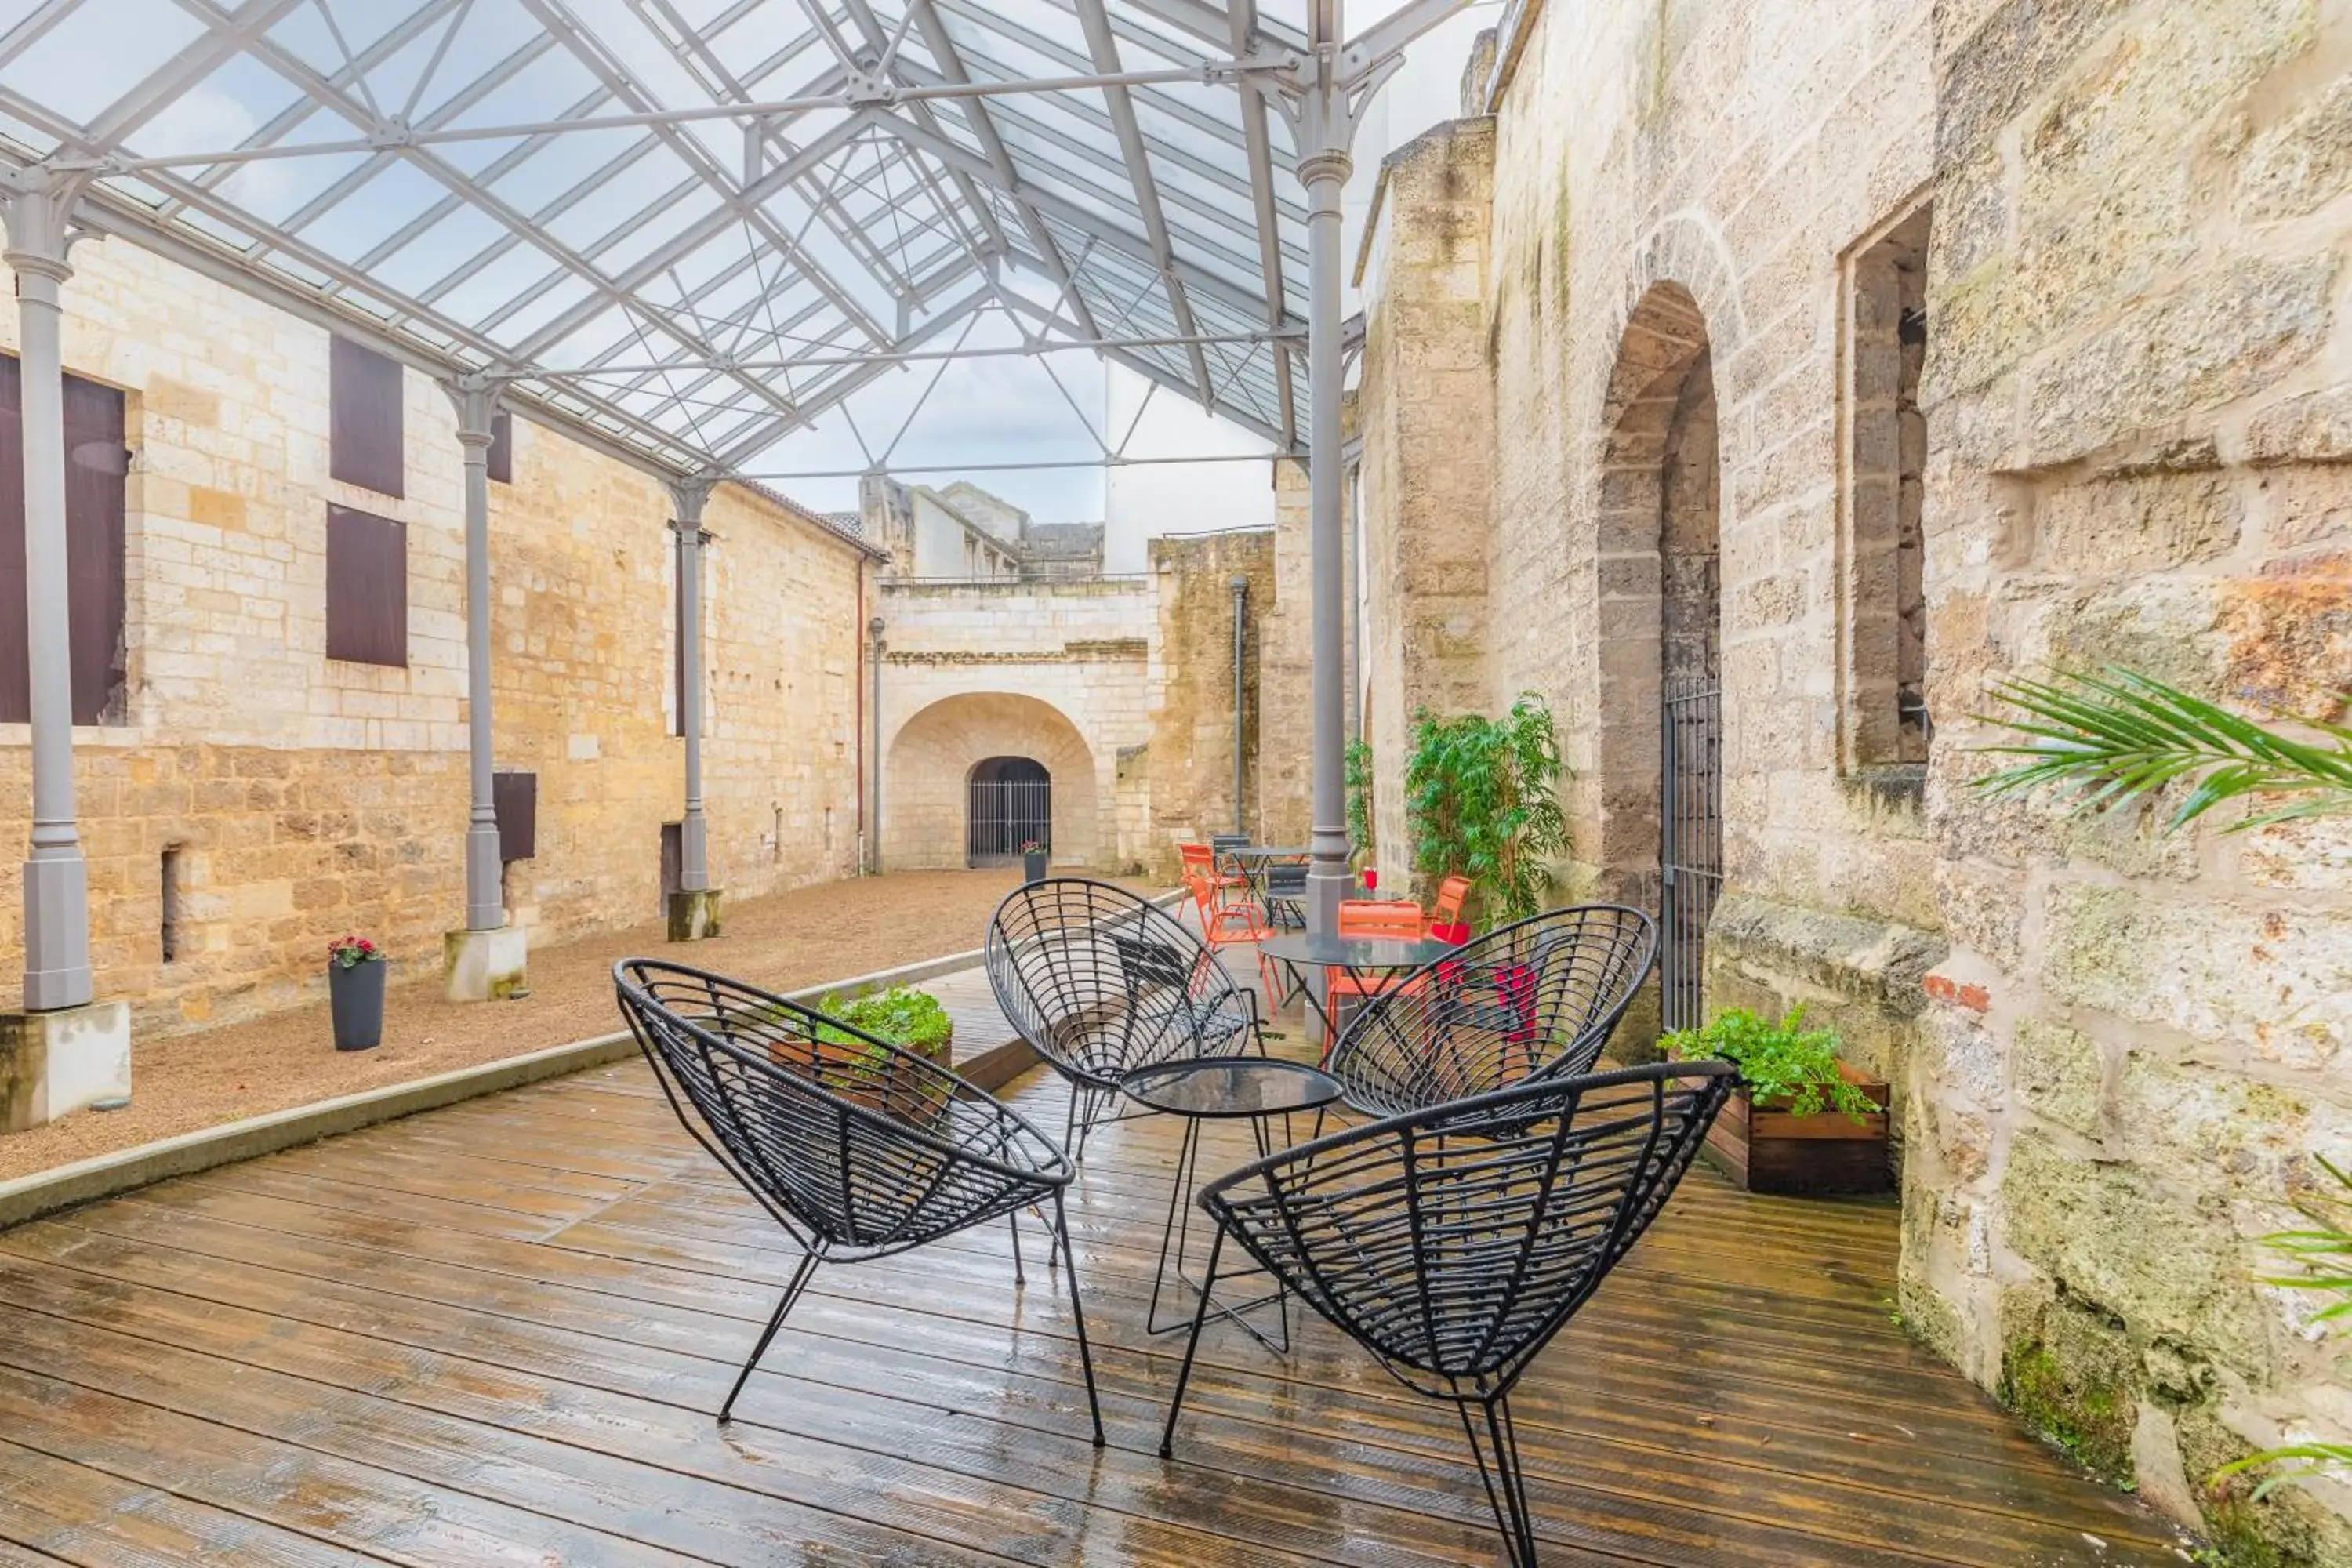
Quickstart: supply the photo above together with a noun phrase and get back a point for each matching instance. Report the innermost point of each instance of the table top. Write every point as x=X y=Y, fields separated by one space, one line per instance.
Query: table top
x=1266 y=851
x=1355 y=951
x=1230 y=1085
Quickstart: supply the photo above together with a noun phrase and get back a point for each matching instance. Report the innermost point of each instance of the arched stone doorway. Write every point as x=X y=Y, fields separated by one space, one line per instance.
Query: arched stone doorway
x=931 y=761
x=1659 y=637
x=1008 y=804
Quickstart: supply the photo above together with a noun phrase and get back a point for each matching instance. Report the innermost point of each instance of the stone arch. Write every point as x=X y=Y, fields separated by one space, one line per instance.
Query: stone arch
x=929 y=760
x=1658 y=523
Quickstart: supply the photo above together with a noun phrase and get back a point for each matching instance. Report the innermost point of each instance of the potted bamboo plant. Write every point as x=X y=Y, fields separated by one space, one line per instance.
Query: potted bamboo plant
x=1482 y=796
x=1802 y=1121
x=355 y=970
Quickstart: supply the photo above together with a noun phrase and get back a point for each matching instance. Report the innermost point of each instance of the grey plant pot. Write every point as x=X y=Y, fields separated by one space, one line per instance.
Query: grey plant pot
x=1032 y=867
x=357 y=996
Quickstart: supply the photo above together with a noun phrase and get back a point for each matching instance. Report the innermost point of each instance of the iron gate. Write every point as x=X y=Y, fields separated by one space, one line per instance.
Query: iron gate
x=1690 y=842
x=1008 y=803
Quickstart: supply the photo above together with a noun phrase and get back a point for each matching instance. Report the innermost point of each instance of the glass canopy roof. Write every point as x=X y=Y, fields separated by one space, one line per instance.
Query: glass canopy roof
x=685 y=229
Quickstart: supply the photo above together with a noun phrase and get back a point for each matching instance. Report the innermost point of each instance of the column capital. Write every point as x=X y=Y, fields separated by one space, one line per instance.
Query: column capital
x=687 y=497
x=476 y=396
x=40 y=207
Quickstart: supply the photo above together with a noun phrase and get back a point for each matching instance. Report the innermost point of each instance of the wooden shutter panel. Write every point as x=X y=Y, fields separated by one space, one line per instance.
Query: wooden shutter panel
x=96 y=468
x=514 y=796
x=502 y=453
x=367 y=587
x=363 y=419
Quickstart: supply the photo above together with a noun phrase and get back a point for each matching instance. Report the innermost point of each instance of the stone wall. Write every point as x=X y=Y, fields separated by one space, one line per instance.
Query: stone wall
x=2097 y=412
x=1190 y=757
x=306 y=796
x=1285 y=667
x=974 y=670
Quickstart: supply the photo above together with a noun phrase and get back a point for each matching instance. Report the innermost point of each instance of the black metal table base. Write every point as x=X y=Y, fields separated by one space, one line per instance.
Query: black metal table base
x=1174 y=1240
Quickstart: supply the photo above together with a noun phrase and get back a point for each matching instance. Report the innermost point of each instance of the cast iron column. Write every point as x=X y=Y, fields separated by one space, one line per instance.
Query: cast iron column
x=36 y=206
x=693 y=839
x=1326 y=127
x=1241 y=693
x=874 y=844
x=477 y=400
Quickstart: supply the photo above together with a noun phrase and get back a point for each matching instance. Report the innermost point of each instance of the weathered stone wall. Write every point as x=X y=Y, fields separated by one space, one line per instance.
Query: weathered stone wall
x=2137 y=395
x=2109 y=422
x=1190 y=757
x=1285 y=666
x=1425 y=485
x=308 y=796
x=1070 y=664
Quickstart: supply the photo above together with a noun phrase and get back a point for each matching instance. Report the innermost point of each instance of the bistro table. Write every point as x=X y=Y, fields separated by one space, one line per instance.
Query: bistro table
x=1256 y=863
x=1361 y=957
x=1213 y=1088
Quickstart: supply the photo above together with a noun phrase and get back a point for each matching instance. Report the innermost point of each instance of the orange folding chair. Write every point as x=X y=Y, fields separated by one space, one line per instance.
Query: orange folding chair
x=1446 y=908
x=1229 y=922
x=1372 y=916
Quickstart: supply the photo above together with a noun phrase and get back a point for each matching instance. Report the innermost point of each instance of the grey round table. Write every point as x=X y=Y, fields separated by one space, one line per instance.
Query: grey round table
x=1213 y=1088
x=1360 y=957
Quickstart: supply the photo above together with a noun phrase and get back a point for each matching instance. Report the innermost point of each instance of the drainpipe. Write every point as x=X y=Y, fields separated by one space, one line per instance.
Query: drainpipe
x=874 y=701
x=1241 y=603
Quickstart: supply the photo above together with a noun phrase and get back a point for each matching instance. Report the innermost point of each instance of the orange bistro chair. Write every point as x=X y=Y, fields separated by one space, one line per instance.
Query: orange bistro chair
x=1230 y=924
x=1379 y=918
x=1445 y=909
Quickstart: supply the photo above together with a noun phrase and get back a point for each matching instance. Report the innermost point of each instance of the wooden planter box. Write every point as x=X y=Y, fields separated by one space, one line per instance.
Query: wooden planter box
x=1768 y=1151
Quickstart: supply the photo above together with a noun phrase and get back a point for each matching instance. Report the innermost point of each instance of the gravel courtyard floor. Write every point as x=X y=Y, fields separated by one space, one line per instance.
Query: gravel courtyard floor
x=827 y=932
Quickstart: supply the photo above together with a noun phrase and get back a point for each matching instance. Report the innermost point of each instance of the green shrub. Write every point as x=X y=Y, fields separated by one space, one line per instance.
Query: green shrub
x=902 y=1015
x=1777 y=1061
x=1481 y=797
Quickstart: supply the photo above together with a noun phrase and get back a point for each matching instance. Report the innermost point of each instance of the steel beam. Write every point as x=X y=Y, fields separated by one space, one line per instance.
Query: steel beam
x=37 y=207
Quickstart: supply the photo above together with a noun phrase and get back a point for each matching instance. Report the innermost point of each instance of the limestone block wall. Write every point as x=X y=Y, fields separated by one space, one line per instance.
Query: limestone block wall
x=1425 y=404
x=1190 y=757
x=2139 y=415
x=306 y=796
x=1285 y=666
x=1064 y=671
x=2127 y=443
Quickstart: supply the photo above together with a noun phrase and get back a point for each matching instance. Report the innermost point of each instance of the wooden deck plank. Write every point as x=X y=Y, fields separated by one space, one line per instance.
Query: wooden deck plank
x=526 y=1307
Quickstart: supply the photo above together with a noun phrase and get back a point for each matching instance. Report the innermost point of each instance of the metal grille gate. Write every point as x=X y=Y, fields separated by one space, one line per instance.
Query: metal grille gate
x=1690 y=842
x=1005 y=808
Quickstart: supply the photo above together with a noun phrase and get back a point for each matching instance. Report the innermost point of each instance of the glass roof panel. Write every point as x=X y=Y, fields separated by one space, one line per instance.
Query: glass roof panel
x=99 y=52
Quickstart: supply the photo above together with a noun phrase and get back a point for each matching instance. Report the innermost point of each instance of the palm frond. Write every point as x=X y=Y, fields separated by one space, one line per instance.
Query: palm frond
x=2120 y=735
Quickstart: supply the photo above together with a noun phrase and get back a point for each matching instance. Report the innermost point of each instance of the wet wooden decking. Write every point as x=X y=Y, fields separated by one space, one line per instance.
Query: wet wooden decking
x=495 y=1333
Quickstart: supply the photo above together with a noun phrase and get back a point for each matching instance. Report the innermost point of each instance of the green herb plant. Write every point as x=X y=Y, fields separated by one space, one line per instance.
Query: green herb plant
x=1777 y=1062
x=1357 y=763
x=1482 y=796
x=902 y=1015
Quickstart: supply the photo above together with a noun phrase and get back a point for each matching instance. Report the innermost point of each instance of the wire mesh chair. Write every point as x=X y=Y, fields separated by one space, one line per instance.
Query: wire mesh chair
x=858 y=1148
x=1101 y=982
x=1453 y=1243
x=1538 y=998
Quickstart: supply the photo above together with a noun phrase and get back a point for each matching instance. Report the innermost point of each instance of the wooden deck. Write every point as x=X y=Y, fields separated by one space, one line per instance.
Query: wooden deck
x=495 y=1333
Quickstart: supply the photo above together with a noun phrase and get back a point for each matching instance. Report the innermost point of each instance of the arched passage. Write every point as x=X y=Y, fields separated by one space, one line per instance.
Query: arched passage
x=932 y=763
x=1008 y=805
x=1660 y=618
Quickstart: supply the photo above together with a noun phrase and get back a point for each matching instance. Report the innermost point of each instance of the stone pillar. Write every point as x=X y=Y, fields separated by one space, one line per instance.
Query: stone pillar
x=484 y=961
x=694 y=907
x=63 y=1052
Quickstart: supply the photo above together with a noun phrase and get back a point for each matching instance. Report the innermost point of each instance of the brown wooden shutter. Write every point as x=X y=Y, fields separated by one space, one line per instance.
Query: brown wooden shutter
x=364 y=434
x=96 y=467
x=367 y=587
x=502 y=453
x=514 y=796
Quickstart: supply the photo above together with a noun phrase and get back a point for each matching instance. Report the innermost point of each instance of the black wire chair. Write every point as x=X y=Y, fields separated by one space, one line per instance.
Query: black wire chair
x=1453 y=1243
x=1100 y=983
x=1538 y=998
x=858 y=1148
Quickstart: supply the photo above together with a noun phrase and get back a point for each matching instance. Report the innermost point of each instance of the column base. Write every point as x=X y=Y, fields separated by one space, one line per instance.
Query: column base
x=483 y=965
x=63 y=1061
x=694 y=915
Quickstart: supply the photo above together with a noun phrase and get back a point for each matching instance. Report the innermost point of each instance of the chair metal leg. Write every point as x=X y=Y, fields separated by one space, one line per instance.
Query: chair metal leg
x=1013 y=1223
x=767 y=1336
x=1497 y=1449
x=1078 y=1318
x=1191 y=1347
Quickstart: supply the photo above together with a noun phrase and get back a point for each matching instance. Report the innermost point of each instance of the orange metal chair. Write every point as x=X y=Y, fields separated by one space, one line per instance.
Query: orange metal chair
x=1446 y=908
x=1199 y=859
x=1377 y=918
x=1230 y=922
